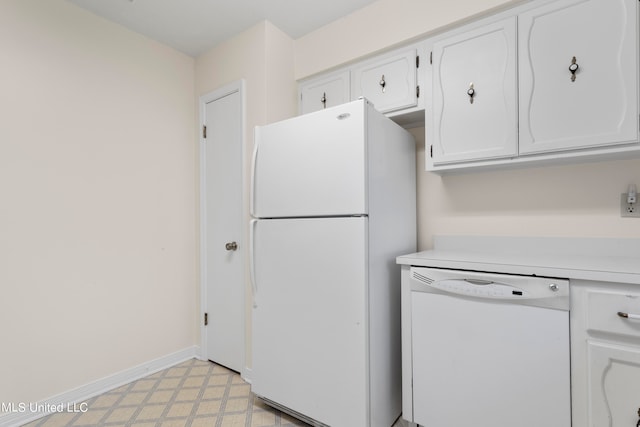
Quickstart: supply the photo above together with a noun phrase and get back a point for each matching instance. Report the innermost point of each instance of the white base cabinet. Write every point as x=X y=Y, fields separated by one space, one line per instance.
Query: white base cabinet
x=605 y=354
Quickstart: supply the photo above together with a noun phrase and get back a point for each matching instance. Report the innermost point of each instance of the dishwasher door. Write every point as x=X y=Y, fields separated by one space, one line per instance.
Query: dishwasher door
x=489 y=361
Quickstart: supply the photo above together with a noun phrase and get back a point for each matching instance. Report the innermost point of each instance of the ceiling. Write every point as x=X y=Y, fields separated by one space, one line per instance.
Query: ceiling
x=194 y=26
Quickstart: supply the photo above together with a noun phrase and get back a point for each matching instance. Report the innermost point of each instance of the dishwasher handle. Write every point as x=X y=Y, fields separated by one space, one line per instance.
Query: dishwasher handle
x=480 y=288
x=479 y=282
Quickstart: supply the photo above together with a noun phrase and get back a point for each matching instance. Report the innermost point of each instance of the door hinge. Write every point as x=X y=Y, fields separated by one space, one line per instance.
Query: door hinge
x=206 y=319
x=431 y=57
x=418 y=61
x=204 y=131
x=417 y=91
x=431 y=151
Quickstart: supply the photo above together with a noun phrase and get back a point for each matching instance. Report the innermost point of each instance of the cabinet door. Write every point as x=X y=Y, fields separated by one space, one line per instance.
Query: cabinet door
x=605 y=354
x=614 y=385
x=327 y=91
x=474 y=94
x=390 y=82
x=600 y=105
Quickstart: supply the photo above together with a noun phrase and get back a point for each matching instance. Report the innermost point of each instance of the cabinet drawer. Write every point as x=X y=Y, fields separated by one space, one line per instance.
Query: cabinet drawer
x=603 y=308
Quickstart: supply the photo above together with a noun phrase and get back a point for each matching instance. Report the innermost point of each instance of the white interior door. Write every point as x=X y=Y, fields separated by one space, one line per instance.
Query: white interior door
x=222 y=229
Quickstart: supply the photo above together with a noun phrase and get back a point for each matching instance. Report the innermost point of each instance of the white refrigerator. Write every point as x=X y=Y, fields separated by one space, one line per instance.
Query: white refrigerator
x=333 y=204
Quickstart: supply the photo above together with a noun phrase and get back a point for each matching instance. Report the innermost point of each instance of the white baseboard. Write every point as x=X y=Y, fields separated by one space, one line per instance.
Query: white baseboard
x=22 y=414
x=247 y=374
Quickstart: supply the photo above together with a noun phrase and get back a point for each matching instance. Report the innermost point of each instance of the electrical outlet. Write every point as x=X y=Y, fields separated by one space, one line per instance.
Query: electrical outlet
x=629 y=210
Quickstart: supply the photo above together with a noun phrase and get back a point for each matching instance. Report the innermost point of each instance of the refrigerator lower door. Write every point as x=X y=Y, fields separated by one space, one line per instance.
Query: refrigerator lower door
x=309 y=317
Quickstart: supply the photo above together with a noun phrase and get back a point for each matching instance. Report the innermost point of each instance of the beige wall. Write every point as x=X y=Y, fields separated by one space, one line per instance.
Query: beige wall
x=97 y=207
x=281 y=90
x=575 y=200
x=263 y=57
x=381 y=25
x=579 y=200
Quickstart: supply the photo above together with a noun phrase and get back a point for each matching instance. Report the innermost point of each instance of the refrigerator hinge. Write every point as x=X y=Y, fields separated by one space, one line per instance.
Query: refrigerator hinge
x=206 y=319
x=204 y=131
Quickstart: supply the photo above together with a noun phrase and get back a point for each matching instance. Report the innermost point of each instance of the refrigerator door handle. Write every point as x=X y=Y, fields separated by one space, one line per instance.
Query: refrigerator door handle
x=252 y=272
x=254 y=160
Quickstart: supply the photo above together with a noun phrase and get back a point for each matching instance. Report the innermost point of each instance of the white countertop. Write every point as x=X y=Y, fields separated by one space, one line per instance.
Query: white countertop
x=609 y=260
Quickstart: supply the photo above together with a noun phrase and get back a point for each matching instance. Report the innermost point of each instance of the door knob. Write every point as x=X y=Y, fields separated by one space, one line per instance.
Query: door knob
x=573 y=68
x=231 y=246
x=471 y=92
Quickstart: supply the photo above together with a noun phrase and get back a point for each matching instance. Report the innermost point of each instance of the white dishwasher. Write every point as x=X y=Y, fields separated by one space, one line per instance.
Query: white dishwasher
x=486 y=350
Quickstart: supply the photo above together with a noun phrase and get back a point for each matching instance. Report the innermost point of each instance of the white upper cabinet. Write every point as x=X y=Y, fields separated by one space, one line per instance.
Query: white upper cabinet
x=325 y=91
x=548 y=81
x=474 y=94
x=389 y=82
x=578 y=75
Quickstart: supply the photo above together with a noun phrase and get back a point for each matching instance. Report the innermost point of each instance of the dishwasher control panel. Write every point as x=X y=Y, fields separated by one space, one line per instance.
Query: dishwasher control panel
x=492 y=285
x=480 y=288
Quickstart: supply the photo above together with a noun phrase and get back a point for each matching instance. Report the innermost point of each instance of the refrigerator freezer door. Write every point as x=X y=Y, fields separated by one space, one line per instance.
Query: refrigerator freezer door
x=309 y=321
x=311 y=165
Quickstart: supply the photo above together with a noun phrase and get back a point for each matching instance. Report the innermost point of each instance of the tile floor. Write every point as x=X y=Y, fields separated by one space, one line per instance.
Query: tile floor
x=192 y=394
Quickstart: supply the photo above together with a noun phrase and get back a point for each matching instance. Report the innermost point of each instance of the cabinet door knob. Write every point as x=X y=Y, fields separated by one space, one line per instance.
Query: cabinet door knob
x=324 y=99
x=382 y=83
x=573 y=68
x=231 y=246
x=471 y=92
